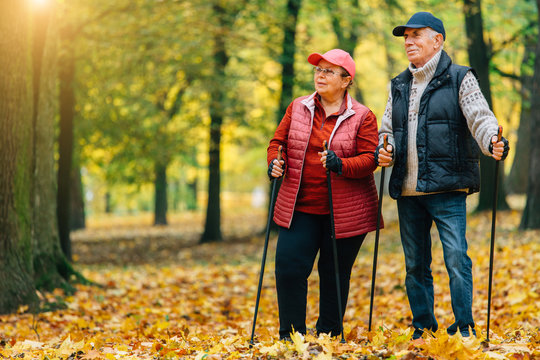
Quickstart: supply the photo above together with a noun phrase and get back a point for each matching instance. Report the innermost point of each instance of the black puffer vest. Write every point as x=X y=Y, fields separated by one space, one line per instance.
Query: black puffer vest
x=447 y=153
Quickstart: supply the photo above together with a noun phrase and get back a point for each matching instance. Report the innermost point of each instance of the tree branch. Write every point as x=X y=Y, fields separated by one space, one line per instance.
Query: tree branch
x=505 y=74
x=75 y=31
x=515 y=37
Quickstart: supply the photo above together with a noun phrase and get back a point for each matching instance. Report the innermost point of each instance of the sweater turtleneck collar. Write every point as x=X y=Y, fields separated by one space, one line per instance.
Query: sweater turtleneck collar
x=426 y=72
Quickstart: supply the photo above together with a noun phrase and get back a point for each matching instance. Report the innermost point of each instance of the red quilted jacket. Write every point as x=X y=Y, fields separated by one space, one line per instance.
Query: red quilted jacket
x=354 y=193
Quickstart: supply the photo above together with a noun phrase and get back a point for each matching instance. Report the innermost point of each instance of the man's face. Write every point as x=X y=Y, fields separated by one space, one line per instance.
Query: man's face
x=421 y=45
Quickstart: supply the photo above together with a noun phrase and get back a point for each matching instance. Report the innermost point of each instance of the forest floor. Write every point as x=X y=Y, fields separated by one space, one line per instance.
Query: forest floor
x=161 y=295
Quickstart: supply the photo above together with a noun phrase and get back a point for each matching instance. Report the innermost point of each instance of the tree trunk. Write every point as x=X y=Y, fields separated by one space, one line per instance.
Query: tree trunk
x=287 y=56
x=479 y=60
x=347 y=43
x=16 y=142
x=160 y=197
x=531 y=213
x=191 y=196
x=212 y=226
x=108 y=205
x=51 y=269
x=78 y=218
x=517 y=180
x=65 y=140
x=192 y=185
x=287 y=68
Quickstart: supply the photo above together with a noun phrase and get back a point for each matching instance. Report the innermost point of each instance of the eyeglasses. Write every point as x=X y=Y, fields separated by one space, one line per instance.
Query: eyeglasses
x=318 y=70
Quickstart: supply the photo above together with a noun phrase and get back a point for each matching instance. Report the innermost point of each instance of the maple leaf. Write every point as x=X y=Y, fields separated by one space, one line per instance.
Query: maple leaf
x=28 y=345
x=379 y=339
x=298 y=340
x=275 y=350
x=69 y=347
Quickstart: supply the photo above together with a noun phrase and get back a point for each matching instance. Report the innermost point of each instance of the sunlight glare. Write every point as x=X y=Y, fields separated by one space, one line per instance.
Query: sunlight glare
x=40 y=3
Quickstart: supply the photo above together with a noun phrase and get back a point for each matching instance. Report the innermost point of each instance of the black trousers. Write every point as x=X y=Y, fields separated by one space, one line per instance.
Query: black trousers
x=296 y=251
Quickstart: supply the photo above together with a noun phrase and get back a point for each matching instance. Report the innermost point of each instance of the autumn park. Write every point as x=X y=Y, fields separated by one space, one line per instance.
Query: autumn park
x=135 y=201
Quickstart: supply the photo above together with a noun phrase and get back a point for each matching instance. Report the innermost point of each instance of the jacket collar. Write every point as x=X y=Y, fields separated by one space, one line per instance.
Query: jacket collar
x=309 y=102
x=402 y=81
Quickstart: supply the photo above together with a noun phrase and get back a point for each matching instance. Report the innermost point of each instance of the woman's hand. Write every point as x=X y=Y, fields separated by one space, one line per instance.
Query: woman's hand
x=275 y=169
x=331 y=161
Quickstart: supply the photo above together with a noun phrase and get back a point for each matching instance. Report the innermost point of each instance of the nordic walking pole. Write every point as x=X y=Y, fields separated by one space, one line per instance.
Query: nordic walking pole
x=334 y=245
x=376 y=250
x=493 y=220
x=263 y=263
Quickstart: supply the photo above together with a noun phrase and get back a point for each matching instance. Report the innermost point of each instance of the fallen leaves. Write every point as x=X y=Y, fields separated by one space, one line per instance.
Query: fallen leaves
x=202 y=308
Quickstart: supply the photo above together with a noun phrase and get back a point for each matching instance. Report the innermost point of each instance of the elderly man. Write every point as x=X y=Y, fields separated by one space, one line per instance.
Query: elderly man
x=435 y=116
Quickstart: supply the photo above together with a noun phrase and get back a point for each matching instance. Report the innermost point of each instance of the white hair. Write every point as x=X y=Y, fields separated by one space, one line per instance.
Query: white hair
x=432 y=33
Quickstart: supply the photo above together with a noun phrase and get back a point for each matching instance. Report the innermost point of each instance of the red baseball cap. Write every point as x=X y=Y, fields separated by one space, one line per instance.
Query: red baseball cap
x=337 y=57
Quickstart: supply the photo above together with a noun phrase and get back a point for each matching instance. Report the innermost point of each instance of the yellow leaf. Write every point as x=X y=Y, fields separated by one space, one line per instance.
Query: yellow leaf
x=298 y=340
x=162 y=325
x=122 y=347
x=379 y=339
x=68 y=347
x=516 y=297
x=275 y=350
x=28 y=345
x=494 y=355
x=216 y=349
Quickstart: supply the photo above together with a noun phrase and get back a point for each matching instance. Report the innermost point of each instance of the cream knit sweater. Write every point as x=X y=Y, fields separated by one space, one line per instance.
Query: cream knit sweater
x=480 y=119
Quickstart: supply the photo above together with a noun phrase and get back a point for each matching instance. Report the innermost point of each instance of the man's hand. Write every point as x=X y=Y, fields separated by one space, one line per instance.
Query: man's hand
x=331 y=161
x=275 y=169
x=386 y=156
x=499 y=149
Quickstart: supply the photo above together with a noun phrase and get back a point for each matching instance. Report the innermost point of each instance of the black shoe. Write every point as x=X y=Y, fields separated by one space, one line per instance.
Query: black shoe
x=417 y=334
x=285 y=339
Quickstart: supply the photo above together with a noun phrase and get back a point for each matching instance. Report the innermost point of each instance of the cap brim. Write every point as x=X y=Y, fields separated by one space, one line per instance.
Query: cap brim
x=314 y=59
x=400 y=30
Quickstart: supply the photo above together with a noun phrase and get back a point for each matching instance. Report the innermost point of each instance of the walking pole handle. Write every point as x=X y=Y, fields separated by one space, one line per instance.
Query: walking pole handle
x=325 y=148
x=279 y=151
x=385 y=141
x=499 y=133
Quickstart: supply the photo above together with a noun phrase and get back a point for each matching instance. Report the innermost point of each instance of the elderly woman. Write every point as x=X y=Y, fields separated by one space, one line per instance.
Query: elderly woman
x=302 y=208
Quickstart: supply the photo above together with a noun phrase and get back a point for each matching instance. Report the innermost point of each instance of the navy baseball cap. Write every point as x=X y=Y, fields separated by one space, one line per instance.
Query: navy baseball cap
x=420 y=20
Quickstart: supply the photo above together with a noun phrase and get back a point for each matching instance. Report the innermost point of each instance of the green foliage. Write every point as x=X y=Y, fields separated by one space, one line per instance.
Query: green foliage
x=145 y=76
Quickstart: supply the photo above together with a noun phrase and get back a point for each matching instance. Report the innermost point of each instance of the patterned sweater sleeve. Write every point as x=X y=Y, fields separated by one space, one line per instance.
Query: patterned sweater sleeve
x=480 y=119
x=386 y=122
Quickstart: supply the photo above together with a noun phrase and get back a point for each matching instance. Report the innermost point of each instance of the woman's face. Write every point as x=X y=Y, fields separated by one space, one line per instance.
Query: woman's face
x=329 y=84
